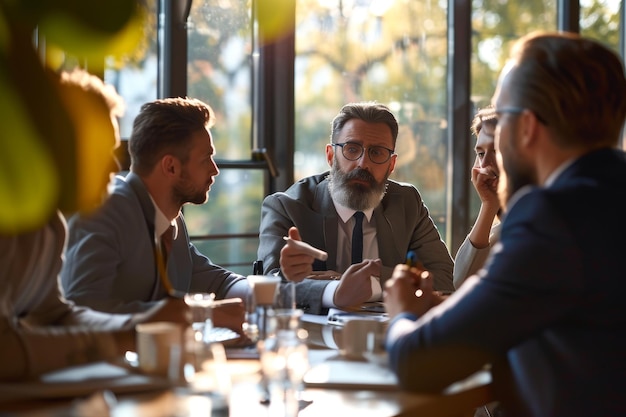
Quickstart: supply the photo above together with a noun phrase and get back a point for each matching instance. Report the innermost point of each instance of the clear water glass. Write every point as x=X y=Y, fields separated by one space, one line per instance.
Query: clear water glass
x=263 y=290
x=206 y=374
x=284 y=361
x=201 y=305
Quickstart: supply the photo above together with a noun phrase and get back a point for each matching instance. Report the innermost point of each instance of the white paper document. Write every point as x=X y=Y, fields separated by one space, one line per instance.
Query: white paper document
x=344 y=374
x=81 y=381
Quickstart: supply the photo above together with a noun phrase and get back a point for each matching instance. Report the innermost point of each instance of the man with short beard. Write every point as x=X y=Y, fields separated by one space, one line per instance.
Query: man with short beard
x=547 y=313
x=119 y=259
x=319 y=211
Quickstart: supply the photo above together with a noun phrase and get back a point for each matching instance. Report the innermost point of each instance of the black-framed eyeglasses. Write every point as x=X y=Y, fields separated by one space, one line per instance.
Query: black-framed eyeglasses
x=353 y=151
x=519 y=110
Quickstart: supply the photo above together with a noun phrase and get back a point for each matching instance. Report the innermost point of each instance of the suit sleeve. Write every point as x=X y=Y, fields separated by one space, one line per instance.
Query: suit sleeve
x=104 y=250
x=426 y=241
x=469 y=259
x=275 y=223
x=209 y=277
x=493 y=312
x=39 y=331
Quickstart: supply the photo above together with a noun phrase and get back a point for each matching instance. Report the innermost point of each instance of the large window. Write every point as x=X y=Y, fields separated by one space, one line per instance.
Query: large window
x=396 y=52
x=136 y=79
x=219 y=72
x=393 y=52
x=600 y=19
x=490 y=47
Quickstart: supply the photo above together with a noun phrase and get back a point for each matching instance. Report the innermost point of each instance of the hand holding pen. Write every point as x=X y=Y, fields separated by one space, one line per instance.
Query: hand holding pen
x=306 y=249
x=296 y=257
x=409 y=289
x=412 y=261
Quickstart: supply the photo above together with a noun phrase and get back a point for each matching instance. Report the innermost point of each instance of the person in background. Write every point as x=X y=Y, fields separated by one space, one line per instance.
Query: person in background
x=547 y=312
x=320 y=209
x=40 y=331
x=475 y=248
x=135 y=250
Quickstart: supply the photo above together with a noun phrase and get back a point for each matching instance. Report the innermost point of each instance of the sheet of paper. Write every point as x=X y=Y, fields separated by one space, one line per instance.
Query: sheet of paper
x=343 y=374
x=339 y=317
x=81 y=381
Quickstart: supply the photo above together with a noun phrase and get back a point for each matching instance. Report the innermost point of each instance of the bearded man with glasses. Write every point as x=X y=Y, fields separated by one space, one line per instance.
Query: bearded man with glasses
x=322 y=210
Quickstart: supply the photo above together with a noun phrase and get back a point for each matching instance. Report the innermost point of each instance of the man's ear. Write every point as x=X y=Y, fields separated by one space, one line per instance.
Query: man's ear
x=169 y=165
x=330 y=154
x=392 y=165
x=528 y=128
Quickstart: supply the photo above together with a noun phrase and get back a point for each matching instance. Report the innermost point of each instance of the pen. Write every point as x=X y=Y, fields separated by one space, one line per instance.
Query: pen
x=306 y=248
x=411 y=260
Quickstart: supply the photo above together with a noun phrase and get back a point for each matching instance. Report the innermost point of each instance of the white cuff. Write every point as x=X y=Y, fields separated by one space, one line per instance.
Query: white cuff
x=329 y=294
x=377 y=291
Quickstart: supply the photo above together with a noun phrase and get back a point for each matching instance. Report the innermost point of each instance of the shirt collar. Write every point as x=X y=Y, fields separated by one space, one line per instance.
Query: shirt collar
x=346 y=213
x=161 y=223
x=557 y=172
x=547 y=183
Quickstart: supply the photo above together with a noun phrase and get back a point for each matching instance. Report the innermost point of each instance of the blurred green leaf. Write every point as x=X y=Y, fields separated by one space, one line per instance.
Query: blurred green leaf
x=275 y=19
x=94 y=30
x=29 y=183
x=55 y=150
x=37 y=89
x=94 y=149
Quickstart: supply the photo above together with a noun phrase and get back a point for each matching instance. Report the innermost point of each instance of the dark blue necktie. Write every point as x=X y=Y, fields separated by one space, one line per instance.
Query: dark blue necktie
x=357 y=238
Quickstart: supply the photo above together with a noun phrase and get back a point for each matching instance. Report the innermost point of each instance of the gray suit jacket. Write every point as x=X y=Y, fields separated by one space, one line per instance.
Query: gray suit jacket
x=110 y=262
x=402 y=220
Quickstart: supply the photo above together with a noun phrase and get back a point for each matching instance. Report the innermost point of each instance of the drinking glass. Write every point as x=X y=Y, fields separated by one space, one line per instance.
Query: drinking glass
x=206 y=374
x=200 y=305
x=263 y=290
x=284 y=361
x=285 y=297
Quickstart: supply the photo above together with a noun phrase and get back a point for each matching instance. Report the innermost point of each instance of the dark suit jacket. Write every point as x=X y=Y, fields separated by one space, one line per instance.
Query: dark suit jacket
x=402 y=220
x=110 y=263
x=549 y=307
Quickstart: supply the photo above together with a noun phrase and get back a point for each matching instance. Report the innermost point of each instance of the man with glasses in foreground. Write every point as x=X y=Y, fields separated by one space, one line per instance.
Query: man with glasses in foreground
x=548 y=312
x=320 y=210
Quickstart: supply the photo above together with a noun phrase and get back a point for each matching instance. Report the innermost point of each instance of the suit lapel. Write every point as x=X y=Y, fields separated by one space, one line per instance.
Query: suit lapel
x=323 y=203
x=177 y=268
x=144 y=201
x=386 y=218
x=147 y=208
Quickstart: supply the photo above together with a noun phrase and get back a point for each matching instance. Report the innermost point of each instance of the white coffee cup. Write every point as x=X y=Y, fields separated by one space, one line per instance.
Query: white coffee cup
x=264 y=288
x=159 y=348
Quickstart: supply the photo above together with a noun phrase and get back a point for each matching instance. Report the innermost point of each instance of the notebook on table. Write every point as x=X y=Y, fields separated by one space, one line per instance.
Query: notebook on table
x=345 y=374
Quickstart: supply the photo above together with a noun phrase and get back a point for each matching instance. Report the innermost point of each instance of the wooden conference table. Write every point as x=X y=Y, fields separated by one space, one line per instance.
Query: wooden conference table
x=317 y=400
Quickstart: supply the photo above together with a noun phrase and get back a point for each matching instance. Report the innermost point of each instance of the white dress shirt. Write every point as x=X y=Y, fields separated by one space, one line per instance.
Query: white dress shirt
x=344 y=251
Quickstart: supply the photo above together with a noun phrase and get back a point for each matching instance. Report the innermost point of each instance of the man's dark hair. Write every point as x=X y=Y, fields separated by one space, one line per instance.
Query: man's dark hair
x=370 y=112
x=166 y=126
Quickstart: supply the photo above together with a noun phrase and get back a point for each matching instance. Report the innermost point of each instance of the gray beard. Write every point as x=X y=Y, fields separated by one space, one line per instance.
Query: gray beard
x=351 y=196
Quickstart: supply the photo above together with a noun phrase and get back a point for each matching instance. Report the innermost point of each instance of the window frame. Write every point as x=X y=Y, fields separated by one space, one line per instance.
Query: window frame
x=273 y=136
